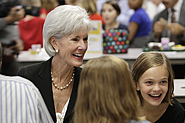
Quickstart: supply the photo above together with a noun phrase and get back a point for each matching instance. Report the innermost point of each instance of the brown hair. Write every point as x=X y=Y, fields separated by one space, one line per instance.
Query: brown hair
x=106 y=92
x=89 y=6
x=115 y=5
x=152 y=59
x=71 y=2
x=31 y=2
x=48 y=4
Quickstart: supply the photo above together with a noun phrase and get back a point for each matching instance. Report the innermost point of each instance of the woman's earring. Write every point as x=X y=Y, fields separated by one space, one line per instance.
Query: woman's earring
x=56 y=51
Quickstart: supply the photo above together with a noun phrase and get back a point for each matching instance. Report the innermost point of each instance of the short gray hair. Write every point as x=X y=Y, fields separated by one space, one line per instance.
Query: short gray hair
x=63 y=21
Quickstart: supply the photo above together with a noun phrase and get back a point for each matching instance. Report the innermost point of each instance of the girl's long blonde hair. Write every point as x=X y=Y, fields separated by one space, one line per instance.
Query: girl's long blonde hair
x=106 y=92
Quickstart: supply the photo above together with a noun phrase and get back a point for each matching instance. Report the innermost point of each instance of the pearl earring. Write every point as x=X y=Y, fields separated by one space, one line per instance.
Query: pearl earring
x=56 y=51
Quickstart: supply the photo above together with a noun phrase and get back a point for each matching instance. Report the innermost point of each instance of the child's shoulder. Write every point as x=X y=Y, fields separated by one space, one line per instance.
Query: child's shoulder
x=140 y=10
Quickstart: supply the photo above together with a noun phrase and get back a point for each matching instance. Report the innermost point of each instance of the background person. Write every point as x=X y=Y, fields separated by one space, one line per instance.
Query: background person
x=110 y=11
x=90 y=7
x=161 y=29
x=9 y=38
x=47 y=6
x=139 y=25
x=153 y=7
x=21 y=101
x=153 y=77
x=125 y=14
x=71 y=2
x=65 y=34
x=30 y=27
x=174 y=30
x=106 y=93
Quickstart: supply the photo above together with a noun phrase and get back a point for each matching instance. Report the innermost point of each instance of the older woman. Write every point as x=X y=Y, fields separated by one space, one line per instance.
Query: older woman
x=65 y=34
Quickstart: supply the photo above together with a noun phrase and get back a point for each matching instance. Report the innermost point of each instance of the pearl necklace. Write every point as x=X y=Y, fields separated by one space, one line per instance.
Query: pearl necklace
x=67 y=85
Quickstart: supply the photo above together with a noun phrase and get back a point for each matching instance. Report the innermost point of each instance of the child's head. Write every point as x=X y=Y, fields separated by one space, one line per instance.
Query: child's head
x=110 y=11
x=135 y=4
x=153 y=76
x=49 y=4
x=36 y=3
x=106 y=92
x=71 y=2
x=89 y=6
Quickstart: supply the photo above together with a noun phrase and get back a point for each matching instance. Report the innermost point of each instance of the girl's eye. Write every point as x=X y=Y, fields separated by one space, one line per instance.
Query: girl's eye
x=163 y=82
x=110 y=10
x=148 y=82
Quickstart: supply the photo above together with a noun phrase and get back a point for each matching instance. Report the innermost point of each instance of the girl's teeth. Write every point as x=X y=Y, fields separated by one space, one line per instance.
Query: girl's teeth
x=155 y=95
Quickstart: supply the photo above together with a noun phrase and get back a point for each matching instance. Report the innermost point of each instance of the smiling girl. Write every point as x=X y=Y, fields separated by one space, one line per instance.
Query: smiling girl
x=153 y=76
